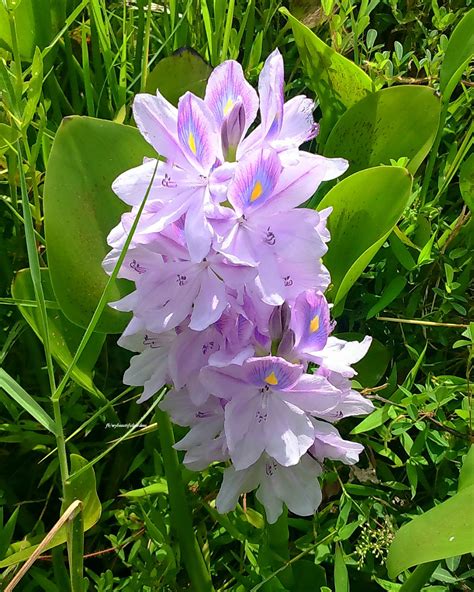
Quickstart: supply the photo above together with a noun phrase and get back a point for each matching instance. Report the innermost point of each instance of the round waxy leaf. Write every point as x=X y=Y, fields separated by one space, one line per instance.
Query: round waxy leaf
x=392 y=123
x=442 y=532
x=81 y=209
x=183 y=71
x=366 y=206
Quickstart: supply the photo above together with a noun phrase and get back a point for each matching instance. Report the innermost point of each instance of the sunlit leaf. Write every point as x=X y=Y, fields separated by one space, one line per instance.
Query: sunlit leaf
x=81 y=209
x=337 y=82
x=366 y=206
x=442 y=532
x=396 y=122
x=36 y=24
x=458 y=54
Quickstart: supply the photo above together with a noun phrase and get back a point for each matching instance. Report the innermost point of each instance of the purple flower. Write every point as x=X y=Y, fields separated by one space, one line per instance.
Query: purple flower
x=295 y=486
x=269 y=408
x=312 y=327
x=228 y=307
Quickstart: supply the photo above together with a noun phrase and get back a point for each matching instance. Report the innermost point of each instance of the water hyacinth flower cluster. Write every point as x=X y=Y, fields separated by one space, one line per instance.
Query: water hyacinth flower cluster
x=229 y=305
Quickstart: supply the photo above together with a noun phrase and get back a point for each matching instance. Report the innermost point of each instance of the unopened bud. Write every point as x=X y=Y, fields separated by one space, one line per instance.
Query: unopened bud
x=232 y=131
x=287 y=344
x=279 y=321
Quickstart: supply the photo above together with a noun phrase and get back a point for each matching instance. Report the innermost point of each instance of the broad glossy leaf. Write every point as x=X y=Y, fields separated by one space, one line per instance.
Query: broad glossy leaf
x=392 y=123
x=366 y=206
x=37 y=22
x=64 y=336
x=183 y=71
x=459 y=52
x=81 y=209
x=337 y=82
x=466 y=476
x=466 y=181
x=82 y=488
x=442 y=532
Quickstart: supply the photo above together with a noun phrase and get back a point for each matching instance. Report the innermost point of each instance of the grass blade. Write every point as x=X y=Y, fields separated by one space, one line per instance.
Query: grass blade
x=18 y=393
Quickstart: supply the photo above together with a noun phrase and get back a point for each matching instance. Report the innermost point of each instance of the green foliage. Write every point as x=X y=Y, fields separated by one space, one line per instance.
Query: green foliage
x=183 y=71
x=401 y=273
x=64 y=336
x=394 y=123
x=82 y=488
x=338 y=82
x=36 y=23
x=444 y=531
x=458 y=54
x=80 y=210
x=366 y=206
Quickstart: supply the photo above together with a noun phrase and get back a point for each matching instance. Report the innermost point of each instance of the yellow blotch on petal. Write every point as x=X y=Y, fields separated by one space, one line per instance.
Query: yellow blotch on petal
x=256 y=191
x=228 y=106
x=314 y=324
x=192 y=142
x=271 y=379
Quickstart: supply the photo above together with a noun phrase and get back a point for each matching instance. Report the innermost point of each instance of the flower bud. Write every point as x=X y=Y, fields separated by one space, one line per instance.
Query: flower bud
x=232 y=130
x=287 y=344
x=279 y=321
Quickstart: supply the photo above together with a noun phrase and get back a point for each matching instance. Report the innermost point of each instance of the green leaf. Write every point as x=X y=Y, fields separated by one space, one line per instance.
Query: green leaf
x=37 y=22
x=338 y=83
x=466 y=181
x=18 y=394
x=466 y=476
x=81 y=209
x=64 y=336
x=459 y=52
x=391 y=291
x=81 y=488
x=374 y=420
x=341 y=576
x=442 y=532
x=6 y=532
x=420 y=577
x=392 y=123
x=366 y=206
x=308 y=576
x=8 y=136
x=183 y=71
x=153 y=489
x=34 y=88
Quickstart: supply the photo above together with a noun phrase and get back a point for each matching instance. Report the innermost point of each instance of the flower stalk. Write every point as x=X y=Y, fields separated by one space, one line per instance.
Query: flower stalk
x=181 y=520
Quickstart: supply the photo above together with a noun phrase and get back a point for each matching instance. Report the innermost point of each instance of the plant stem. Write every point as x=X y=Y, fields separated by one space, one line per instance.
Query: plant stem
x=277 y=542
x=181 y=519
x=60 y=444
